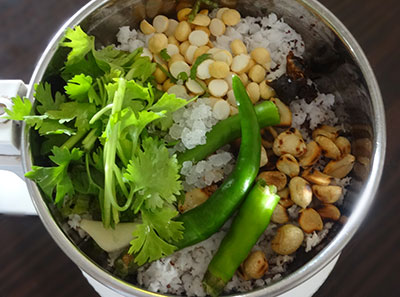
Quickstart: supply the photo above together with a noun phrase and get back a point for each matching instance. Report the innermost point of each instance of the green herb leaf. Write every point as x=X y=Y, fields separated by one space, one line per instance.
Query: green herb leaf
x=151 y=163
x=46 y=126
x=199 y=60
x=82 y=112
x=44 y=96
x=109 y=58
x=80 y=44
x=78 y=87
x=164 y=55
x=141 y=69
x=167 y=103
x=56 y=179
x=150 y=237
x=183 y=76
x=21 y=107
x=166 y=72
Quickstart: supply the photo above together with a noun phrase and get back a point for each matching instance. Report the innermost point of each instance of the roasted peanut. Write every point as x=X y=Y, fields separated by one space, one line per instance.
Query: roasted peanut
x=289 y=142
x=280 y=215
x=311 y=156
x=276 y=178
x=263 y=157
x=340 y=168
x=343 y=145
x=310 y=221
x=327 y=131
x=255 y=266
x=284 y=193
x=315 y=176
x=288 y=165
x=193 y=199
x=329 y=211
x=287 y=240
x=327 y=194
x=328 y=147
x=300 y=191
x=286 y=203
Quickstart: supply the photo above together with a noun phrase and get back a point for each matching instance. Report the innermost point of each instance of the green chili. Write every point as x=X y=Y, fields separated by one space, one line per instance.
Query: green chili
x=228 y=130
x=204 y=220
x=252 y=220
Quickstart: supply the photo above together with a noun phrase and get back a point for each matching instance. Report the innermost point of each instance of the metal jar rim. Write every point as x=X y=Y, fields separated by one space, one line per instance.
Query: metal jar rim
x=306 y=271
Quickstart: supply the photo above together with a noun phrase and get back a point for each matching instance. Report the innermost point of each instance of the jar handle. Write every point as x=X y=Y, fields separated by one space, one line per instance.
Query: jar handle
x=14 y=195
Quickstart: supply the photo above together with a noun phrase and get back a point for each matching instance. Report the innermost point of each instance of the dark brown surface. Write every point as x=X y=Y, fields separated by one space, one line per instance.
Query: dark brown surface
x=31 y=263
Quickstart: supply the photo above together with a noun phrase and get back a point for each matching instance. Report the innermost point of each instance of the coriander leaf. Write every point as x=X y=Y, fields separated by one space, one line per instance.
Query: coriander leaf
x=56 y=179
x=79 y=42
x=82 y=112
x=81 y=180
x=79 y=204
x=21 y=107
x=46 y=126
x=109 y=58
x=52 y=140
x=168 y=103
x=141 y=69
x=196 y=64
x=166 y=72
x=136 y=91
x=78 y=87
x=150 y=237
x=183 y=76
x=132 y=125
x=147 y=166
x=164 y=55
x=87 y=66
x=45 y=97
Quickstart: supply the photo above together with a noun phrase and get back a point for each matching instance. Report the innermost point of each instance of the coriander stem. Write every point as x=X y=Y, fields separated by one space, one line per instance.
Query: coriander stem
x=100 y=113
x=109 y=153
x=70 y=143
x=89 y=140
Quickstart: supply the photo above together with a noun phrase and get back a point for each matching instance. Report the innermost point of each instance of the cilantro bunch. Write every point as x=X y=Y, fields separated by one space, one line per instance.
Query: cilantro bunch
x=101 y=146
